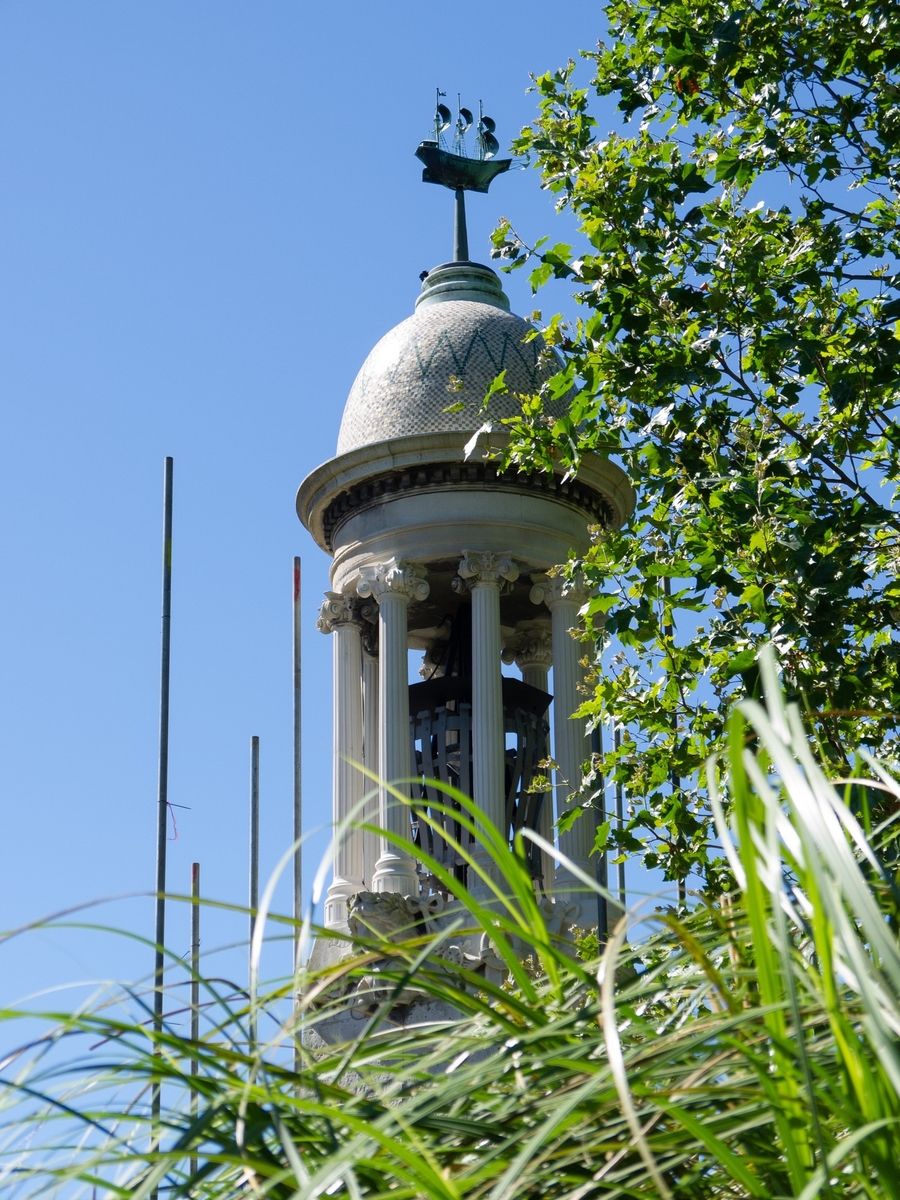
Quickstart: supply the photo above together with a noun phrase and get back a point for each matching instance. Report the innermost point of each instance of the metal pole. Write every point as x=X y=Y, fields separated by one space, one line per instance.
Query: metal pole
x=298 y=797
x=162 y=808
x=195 y=990
x=298 y=783
x=674 y=780
x=460 y=234
x=254 y=856
x=602 y=865
x=620 y=822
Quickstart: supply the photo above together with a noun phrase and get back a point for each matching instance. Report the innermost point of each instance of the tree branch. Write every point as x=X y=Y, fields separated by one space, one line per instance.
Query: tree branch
x=811 y=450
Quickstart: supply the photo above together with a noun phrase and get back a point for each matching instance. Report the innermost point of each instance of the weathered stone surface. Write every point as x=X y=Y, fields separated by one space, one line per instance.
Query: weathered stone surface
x=443 y=354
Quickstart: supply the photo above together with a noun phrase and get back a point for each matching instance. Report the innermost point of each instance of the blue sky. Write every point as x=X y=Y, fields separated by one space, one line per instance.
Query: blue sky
x=209 y=213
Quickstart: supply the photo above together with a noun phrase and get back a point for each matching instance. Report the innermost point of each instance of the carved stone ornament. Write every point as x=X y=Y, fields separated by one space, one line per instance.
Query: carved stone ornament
x=559 y=915
x=368 y=611
x=386 y=917
x=337 y=609
x=477 y=954
x=393 y=578
x=530 y=648
x=433 y=661
x=487 y=955
x=479 y=566
x=389 y=917
x=555 y=589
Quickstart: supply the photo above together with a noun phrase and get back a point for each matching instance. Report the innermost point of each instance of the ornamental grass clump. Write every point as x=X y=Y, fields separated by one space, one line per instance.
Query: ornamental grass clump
x=746 y=1048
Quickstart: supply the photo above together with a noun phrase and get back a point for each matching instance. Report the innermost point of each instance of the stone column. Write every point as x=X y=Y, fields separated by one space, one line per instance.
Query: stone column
x=339 y=616
x=532 y=652
x=393 y=584
x=484 y=573
x=570 y=748
x=371 y=725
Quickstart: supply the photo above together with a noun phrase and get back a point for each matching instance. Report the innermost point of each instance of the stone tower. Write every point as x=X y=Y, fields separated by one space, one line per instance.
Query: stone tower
x=435 y=547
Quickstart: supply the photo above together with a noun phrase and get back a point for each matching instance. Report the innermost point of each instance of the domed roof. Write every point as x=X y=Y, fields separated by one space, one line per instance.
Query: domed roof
x=447 y=353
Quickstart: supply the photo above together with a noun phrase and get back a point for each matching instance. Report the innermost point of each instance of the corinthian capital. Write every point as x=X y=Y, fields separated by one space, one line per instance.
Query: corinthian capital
x=532 y=646
x=556 y=589
x=337 y=609
x=479 y=566
x=394 y=578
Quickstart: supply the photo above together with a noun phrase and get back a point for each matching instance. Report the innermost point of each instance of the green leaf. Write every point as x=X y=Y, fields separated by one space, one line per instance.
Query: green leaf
x=497 y=387
x=755 y=597
x=692 y=180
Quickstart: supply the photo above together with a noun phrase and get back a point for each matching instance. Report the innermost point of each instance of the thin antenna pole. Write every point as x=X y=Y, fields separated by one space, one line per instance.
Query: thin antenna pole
x=298 y=795
x=195 y=990
x=620 y=821
x=602 y=864
x=162 y=810
x=460 y=235
x=298 y=778
x=254 y=856
x=674 y=780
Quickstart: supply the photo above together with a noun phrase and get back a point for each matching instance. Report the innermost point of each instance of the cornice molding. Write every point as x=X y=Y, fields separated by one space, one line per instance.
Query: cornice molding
x=373 y=475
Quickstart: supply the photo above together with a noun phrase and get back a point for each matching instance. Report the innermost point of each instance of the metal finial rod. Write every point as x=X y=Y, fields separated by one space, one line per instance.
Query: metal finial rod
x=460 y=234
x=162 y=806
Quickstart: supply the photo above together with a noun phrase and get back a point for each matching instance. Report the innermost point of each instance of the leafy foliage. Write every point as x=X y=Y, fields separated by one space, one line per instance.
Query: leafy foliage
x=739 y=352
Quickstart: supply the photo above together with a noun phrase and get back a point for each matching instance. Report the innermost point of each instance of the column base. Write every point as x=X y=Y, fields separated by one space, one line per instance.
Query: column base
x=336 y=906
x=396 y=873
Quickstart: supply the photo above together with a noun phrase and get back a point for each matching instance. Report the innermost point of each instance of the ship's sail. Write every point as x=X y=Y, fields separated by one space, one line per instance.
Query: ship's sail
x=456 y=170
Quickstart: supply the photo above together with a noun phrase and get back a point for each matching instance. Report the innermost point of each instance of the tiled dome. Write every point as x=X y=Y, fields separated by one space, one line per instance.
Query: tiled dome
x=408 y=381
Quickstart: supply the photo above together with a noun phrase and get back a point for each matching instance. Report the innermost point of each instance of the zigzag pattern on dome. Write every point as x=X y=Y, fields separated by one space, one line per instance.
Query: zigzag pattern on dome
x=461 y=361
x=407 y=383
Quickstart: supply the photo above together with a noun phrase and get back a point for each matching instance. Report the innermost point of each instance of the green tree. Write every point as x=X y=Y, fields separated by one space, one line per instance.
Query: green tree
x=739 y=352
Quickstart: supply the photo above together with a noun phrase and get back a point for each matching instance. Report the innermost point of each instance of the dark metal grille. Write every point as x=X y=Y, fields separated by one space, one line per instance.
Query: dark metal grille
x=440 y=729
